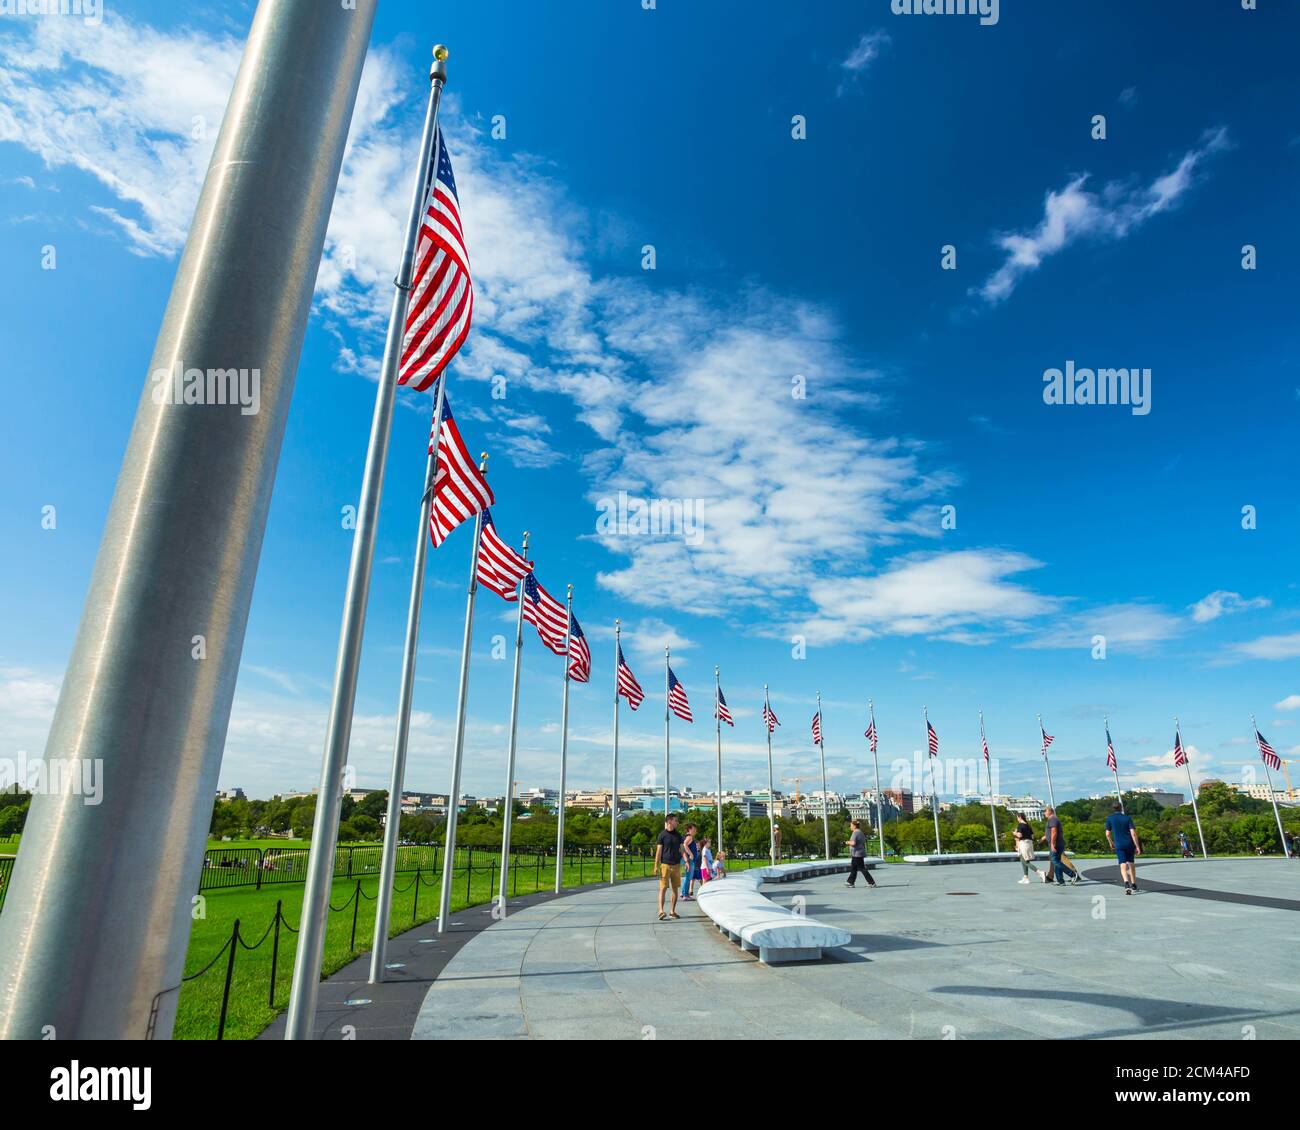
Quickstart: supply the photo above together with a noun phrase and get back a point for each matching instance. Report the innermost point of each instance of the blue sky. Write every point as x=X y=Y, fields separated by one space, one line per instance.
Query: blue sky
x=775 y=258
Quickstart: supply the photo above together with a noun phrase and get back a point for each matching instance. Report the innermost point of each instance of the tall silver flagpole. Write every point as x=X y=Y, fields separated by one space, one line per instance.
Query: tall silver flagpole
x=508 y=819
x=1191 y=788
x=988 y=769
x=880 y=800
x=821 y=750
x=564 y=743
x=97 y=918
x=462 y=708
x=667 y=763
x=1271 y=794
x=406 y=689
x=771 y=787
x=613 y=789
x=324 y=837
x=934 y=798
x=1042 y=737
x=717 y=714
x=1119 y=796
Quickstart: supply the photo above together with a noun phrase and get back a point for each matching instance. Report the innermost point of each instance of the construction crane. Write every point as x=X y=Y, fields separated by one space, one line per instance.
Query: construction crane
x=796 y=782
x=1290 y=792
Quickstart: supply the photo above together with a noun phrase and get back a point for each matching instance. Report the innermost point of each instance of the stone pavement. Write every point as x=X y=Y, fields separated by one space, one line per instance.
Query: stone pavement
x=1206 y=951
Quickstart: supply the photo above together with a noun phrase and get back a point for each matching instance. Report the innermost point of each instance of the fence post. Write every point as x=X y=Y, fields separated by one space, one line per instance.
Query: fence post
x=275 y=952
x=469 y=873
x=260 y=861
x=415 y=905
x=356 y=908
x=230 y=973
x=349 y=851
x=537 y=878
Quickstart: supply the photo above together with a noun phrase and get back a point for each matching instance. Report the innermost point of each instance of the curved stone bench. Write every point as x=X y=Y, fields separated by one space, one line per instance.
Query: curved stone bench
x=973 y=857
x=738 y=907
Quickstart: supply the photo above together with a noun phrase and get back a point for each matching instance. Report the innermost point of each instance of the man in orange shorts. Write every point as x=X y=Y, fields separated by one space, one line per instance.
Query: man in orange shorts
x=668 y=864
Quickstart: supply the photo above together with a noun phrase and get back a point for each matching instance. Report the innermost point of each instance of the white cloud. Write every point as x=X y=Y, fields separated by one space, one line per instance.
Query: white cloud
x=1222 y=603
x=1269 y=647
x=1126 y=627
x=1291 y=702
x=859 y=60
x=1075 y=213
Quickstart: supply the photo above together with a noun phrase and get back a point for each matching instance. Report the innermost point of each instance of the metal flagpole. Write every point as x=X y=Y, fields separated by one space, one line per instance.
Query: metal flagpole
x=934 y=798
x=880 y=800
x=1273 y=796
x=564 y=743
x=324 y=838
x=406 y=688
x=1042 y=737
x=717 y=714
x=1119 y=796
x=821 y=749
x=988 y=769
x=771 y=793
x=613 y=791
x=667 y=799
x=509 y=815
x=462 y=708
x=1187 y=764
x=177 y=561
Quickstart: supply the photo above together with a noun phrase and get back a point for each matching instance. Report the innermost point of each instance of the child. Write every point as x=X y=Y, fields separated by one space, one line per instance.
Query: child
x=720 y=865
x=706 y=864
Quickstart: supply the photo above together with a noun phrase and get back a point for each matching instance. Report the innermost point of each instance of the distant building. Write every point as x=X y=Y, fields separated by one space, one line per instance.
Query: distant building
x=231 y=794
x=903 y=800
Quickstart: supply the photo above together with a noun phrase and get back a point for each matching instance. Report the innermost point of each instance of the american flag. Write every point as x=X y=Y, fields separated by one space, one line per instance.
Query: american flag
x=442 y=292
x=721 y=710
x=1271 y=759
x=579 y=652
x=500 y=568
x=459 y=489
x=871 y=735
x=1048 y=739
x=677 y=698
x=1111 y=763
x=625 y=683
x=1180 y=754
x=933 y=738
x=769 y=716
x=817 y=728
x=545 y=613
x=985 y=743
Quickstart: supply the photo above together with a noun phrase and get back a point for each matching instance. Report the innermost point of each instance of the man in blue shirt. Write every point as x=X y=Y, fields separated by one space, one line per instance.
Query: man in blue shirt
x=1123 y=837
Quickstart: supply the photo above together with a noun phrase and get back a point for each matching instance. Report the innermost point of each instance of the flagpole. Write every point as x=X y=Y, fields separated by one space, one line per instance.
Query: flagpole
x=821 y=749
x=880 y=800
x=101 y=903
x=406 y=687
x=1042 y=736
x=1191 y=788
x=666 y=739
x=324 y=838
x=771 y=793
x=1271 y=794
x=988 y=770
x=564 y=743
x=1119 y=795
x=462 y=708
x=934 y=798
x=717 y=714
x=508 y=820
x=613 y=792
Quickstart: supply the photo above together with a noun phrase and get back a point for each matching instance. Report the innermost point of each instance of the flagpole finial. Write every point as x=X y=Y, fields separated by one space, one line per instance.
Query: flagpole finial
x=718 y=671
x=482 y=462
x=438 y=68
x=617 y=621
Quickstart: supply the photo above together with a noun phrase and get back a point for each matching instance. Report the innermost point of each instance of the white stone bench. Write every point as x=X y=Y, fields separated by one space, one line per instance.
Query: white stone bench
x=740 y=910
x=974 y=857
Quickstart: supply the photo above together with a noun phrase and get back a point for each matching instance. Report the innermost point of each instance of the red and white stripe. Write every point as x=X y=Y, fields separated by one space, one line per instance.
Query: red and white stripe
x=1048 y=739
x=441 y=302
x=932 y=736
x=626 y=684
x=769 y=717
x=1180 y=754
x=1267 y=753
x=545 y=613
x=871 y=735
x=677 y=701
x=817 y=728
x=459 y=489
x=500 y=567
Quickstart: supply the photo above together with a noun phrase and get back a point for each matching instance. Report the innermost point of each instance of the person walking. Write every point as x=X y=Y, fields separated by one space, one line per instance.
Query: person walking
x=1024 y=836
x=1055 y=841
x=690 y=861
x=1122 y=836
x=857 y=843
x=668 y=863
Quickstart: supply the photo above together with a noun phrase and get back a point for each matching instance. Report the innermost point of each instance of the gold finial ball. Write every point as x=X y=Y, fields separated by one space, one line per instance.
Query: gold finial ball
x=440 y=53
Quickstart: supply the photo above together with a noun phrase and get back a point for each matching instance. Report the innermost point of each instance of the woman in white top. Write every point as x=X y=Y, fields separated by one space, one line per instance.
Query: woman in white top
x=1025 y=847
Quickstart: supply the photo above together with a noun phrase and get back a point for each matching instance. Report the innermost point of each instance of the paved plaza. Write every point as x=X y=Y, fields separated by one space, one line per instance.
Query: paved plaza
x=1206 y=950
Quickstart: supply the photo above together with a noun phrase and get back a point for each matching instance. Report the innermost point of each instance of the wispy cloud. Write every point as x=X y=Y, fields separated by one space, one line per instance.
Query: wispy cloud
x=1074 y=212
x=1269 y=647
x=859 y=60
x=1222 y=603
